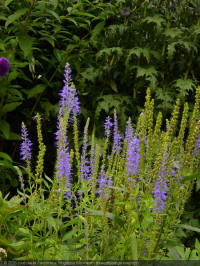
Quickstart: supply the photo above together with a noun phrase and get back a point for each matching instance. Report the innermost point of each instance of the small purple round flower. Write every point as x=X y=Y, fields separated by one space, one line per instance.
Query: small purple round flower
x=4 y=66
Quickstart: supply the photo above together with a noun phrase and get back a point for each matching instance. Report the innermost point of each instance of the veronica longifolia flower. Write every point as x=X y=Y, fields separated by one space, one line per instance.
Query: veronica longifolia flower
x=25 y=147
x=85 y=164
x=68 y=94
x=129 y=131
x=4 y=66
x=160 y=190
x=133 y=158
x=197 y=147
x=104 y=182
x=64 y=169
x=116 y=137
x=63 y=158
x=107 y=126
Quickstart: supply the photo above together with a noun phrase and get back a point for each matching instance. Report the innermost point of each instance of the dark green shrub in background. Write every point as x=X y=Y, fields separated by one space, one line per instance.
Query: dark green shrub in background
x=116 y=49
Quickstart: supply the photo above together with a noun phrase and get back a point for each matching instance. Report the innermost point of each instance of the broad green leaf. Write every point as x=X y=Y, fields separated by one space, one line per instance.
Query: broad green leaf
x=36 y=90
x=9 y=107
x=25 y=43
x=15 y=16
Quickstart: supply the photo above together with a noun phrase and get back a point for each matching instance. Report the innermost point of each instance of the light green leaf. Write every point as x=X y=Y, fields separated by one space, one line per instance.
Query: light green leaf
x=189 y=227
x=106 y=214
x=134 y=247
x=36 y=90
x=15 y=16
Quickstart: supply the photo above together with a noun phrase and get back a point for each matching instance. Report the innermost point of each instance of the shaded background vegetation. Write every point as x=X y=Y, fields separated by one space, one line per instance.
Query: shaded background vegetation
x=116 y=50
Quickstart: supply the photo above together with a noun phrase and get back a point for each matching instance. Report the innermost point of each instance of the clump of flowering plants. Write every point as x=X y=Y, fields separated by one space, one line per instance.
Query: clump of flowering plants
x=121 y=201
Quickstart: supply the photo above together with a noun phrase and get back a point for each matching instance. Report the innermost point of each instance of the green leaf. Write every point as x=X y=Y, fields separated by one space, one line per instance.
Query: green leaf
x=24 y=231
x=70 y=19
x=25 y=43
x=36 y=90
x=51 y=221
x=146 y=72
x=108 y=215
x=184 y=85
x=189 y=227
x=84 y=14
x=54 y=14
x=15 y=16
x=9 y=107
x=5 y=129
x=174 y=253
x=14 y=136
x=190 y=177
x=113 y=86
x=7 y=2
x=96 y=31
x=173 y=33
x=5 y=156
x=134 y=247
x=156 y=19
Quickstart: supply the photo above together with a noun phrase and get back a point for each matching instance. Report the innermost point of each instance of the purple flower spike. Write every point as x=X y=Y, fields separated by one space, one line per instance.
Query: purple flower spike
x=160 y=195
x=197 y=147
x=107 y=126
x=129 y=131
x=117 y=137
x=4 y=66
x=160 y=190
x=104 y=182
x=68 y=94
x=25 y=147
x=133 y=158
